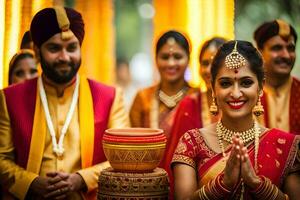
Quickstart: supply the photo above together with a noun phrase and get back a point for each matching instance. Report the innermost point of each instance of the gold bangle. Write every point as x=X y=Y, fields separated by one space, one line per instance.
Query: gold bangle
x=203 y=189
x=276 y=193
x=268 y=191
x=286 y=197
x=221 y=184
x=260 y=187
x=211 y=190
x=202 y=194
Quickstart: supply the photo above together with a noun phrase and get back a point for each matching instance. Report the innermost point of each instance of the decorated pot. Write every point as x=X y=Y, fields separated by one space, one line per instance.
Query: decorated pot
x=134 y=149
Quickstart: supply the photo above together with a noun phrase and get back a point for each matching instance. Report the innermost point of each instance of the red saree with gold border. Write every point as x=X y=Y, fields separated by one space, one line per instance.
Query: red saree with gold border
x=276 y=156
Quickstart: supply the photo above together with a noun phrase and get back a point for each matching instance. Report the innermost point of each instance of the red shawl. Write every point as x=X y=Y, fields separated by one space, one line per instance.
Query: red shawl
x=20 y=100
x=186 y=118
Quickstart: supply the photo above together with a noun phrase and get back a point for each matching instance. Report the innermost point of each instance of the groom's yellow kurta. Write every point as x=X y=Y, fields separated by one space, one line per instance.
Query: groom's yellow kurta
x=78 y=141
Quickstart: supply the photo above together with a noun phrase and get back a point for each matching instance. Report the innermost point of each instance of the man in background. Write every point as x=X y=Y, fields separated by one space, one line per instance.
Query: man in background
x=276 y=41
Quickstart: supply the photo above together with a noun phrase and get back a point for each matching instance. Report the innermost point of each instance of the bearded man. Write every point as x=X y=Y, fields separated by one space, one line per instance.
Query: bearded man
x=51 y=127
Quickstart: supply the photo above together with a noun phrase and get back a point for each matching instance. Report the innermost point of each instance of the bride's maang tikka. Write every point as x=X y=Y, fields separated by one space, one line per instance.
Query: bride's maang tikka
x=235 y=60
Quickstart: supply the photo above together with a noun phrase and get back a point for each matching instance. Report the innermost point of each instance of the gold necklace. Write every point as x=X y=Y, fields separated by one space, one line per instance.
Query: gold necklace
x=171 y=101
x=225 y=134
x=253 y=133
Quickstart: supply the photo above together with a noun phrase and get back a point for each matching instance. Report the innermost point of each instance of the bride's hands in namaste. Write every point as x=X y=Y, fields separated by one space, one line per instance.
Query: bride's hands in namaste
x=232 y=169
x=247 y=170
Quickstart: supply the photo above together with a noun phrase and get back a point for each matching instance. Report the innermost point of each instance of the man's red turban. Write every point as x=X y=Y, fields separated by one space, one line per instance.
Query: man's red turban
x=45 y=24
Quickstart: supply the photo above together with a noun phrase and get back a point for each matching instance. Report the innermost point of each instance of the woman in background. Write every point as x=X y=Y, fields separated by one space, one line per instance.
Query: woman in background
x=22 y=67
x=236 y=158
x=193 y=110
x=155 y=106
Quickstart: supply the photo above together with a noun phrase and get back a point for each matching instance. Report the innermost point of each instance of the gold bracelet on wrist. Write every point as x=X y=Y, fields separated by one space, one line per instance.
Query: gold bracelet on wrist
x=286 y=197
x=202 y=194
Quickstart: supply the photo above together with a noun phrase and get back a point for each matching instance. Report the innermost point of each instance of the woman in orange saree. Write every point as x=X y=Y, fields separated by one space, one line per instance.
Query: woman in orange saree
x=155 y=106
x=236 y=158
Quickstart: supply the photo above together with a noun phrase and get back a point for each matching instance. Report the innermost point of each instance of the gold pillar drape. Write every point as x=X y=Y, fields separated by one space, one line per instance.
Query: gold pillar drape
x=16 y=16
x=26 y=16
x=2 y=32
x=38 y=5
x=11 y=34
x=199 y=19
x=98 y=49
x=169 y=14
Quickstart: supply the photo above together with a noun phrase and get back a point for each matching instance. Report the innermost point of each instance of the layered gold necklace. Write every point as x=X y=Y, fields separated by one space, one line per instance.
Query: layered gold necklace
x=171 y=101
x=224 y=134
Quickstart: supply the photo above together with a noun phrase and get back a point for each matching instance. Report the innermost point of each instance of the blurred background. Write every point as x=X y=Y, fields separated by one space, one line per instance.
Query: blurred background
x=118 y=48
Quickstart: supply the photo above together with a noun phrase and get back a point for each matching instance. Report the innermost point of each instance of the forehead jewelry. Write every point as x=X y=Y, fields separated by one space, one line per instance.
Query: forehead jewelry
x=235 y=60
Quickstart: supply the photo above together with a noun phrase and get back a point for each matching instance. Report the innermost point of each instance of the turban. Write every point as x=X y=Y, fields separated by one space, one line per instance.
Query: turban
x=26 y=39
x=51 y=21
x=270 y=29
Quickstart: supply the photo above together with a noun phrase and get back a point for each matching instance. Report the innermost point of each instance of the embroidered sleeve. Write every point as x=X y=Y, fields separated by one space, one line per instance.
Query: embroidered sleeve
x=186 y=150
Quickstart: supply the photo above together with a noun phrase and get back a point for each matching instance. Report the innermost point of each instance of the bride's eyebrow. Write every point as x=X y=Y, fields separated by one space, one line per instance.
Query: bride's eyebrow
x=235 y=78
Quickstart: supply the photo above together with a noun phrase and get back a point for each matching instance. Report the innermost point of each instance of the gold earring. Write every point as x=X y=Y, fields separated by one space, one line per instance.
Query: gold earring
x=258 y=108
x=213 y=109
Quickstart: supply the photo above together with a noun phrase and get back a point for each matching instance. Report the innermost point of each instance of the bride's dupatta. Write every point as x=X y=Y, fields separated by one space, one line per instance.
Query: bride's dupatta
x=211 y=169
x=276 y=155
